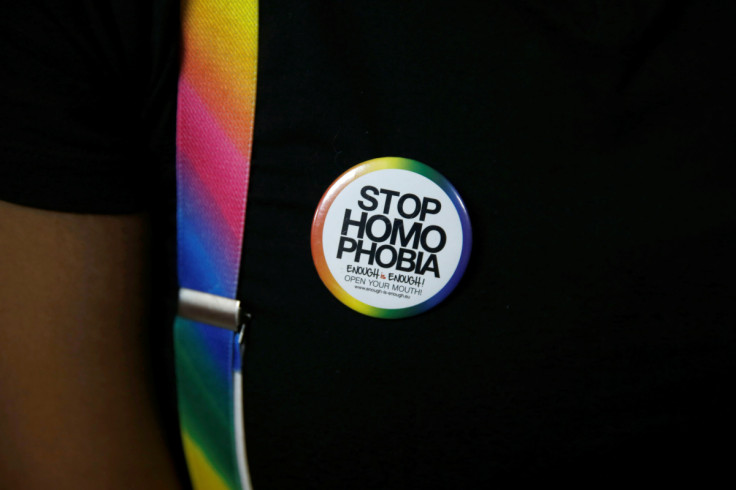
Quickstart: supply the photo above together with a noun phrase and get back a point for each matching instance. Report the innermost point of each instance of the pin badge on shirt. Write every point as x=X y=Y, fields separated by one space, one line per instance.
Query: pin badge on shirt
x=391 y=238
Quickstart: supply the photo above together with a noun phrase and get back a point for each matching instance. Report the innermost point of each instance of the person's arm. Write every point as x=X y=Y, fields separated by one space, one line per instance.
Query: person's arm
x=76 y=402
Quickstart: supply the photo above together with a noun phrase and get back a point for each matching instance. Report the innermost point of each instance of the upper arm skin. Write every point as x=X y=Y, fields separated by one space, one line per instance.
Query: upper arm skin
x=76 y=402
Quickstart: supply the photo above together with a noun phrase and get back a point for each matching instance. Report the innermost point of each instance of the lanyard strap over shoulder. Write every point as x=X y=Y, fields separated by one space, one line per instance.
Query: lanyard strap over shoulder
x=216 y=102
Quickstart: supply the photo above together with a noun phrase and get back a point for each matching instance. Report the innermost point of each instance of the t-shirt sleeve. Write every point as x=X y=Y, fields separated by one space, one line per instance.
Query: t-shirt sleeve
x=86 y=101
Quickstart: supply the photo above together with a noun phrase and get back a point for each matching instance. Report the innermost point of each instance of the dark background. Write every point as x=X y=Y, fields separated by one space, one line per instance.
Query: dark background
x=592 y=338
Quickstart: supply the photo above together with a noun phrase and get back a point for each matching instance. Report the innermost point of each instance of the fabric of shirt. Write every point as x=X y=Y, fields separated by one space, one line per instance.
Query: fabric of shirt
x=592 y=337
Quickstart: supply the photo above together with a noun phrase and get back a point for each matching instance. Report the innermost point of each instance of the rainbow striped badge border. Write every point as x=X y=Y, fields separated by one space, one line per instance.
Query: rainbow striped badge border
x=328 y=199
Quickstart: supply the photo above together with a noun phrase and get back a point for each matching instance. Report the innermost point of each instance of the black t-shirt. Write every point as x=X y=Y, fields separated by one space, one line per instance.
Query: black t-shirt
x=593 y=144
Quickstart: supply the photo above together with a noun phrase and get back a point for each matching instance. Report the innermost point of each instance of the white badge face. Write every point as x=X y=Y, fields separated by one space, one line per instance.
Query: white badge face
x=391 y=238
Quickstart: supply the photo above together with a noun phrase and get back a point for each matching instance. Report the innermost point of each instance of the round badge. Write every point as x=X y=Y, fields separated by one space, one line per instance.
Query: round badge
x=391 y=238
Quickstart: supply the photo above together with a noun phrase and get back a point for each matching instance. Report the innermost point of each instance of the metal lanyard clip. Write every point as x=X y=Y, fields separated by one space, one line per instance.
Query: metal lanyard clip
x=211 y=309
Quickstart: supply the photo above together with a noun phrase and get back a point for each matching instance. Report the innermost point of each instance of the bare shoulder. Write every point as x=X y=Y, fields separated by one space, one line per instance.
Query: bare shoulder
x=76 y=408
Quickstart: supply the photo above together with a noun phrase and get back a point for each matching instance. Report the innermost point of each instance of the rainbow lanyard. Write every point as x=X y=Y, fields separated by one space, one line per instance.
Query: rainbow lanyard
x=216 y=101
